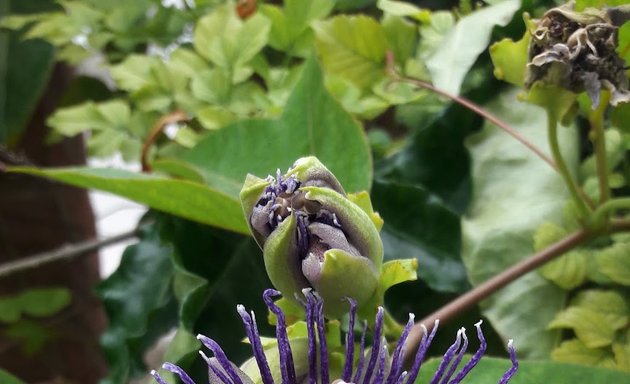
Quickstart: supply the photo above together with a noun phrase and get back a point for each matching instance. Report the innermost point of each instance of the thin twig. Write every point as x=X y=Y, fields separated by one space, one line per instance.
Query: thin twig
x=158 y=127
x=492 y=285
x=64 y=253
x=470 y=105
x=499 y=281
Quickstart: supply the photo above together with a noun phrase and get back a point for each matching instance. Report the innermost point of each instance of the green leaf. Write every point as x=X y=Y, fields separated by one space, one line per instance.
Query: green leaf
x=556 y=101
x=290 y=26
x=313 y=123
x=425 y=230
x=401 y=8
x=423 y=160
x=210 y=268
x=459 y=50
x=36 y=302
x=615 y=263
x=139 y=304
x=575 y=351
x=180 y=197
x=402 y=37
x=590 y=327
x=227 y=41
x=510 y=59
x=353 y=47
x=490 y=370
x=134 y=72
x=7 y=378
x=609 y=304
x=514 y=192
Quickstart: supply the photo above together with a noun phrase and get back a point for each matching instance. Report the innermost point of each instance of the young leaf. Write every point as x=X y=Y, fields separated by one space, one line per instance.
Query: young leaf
x=510 y=59
x=576 y=352
x=615 y=263
x=353 y=47
x=609 y=304
x=464 y=43
x=590 y=327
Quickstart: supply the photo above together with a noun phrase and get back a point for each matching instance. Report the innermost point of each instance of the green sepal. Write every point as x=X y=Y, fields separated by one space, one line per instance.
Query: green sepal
x=344 y=275
x=281 y=261
x=358 y=225
x=249 y=196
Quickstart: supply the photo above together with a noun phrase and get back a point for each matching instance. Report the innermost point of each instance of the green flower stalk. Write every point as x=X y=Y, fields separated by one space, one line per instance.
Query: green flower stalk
x=313 y=236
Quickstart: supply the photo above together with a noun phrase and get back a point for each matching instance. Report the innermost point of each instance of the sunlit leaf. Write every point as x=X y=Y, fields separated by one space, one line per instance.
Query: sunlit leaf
x=465 y=42
x=514 y=192
x=510 y=59
x=610 y=304
x=590 y=327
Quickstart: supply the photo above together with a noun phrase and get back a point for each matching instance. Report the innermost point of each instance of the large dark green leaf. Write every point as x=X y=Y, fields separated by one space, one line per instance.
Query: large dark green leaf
x=515 y=192
x=313 y=123
x=139 y=303
x=214 y=271
x=418 y=225
x=436 y=159
x=490 y=370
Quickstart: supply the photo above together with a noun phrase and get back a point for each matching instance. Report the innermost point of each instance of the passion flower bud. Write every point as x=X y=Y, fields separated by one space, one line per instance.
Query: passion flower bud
x=313 y=236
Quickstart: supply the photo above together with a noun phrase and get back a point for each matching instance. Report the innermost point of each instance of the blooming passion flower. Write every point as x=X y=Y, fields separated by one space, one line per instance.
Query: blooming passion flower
x=313 y=235
x=312 y=364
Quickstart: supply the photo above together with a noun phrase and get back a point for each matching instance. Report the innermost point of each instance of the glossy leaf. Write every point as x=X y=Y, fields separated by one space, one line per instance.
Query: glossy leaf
x=514 y=192
x=419 y=226
x=435 y=157
x=210 y=267
x=490 y=370
x=139 y=304
x=179 y=197
x=313 y=123
x=465 y=42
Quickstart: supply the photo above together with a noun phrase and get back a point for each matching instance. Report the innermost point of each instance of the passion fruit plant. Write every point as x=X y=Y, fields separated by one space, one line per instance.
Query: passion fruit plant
x=417 y=181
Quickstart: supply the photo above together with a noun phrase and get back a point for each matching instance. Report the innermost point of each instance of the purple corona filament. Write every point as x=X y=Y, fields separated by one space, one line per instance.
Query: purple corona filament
x=379 y=368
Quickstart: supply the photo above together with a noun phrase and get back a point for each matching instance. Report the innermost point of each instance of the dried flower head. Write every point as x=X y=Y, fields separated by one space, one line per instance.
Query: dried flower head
x=308 y=361
x=577 y=51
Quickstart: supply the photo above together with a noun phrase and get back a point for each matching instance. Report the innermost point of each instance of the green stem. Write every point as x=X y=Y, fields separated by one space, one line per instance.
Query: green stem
x=596 y=119
x=552 y=130
x=602 y=212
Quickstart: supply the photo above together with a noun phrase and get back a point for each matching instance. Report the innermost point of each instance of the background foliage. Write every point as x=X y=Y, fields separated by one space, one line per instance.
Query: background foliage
x=250 y=93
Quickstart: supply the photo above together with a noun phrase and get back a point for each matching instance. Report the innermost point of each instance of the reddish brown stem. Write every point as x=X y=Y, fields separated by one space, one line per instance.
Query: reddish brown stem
x=158 y=127
x=470 y=105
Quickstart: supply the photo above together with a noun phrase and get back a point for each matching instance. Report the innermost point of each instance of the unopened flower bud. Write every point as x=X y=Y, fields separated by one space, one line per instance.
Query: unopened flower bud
x=312 y=235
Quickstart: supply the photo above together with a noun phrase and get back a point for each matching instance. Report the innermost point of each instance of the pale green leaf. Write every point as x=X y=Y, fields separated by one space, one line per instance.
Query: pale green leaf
x=459 y=50
x=186 y=62
x=575 y=351
x=226 y=40
x=401 y=8
x=567 y=271
x=590 y=327
x=610 y=304
x=76 y=119
x=134 y=72
x=402 y=37
x=614 y=262
x=353 y=47
x=514 y=192
x=214 y=117
x=510 y=59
